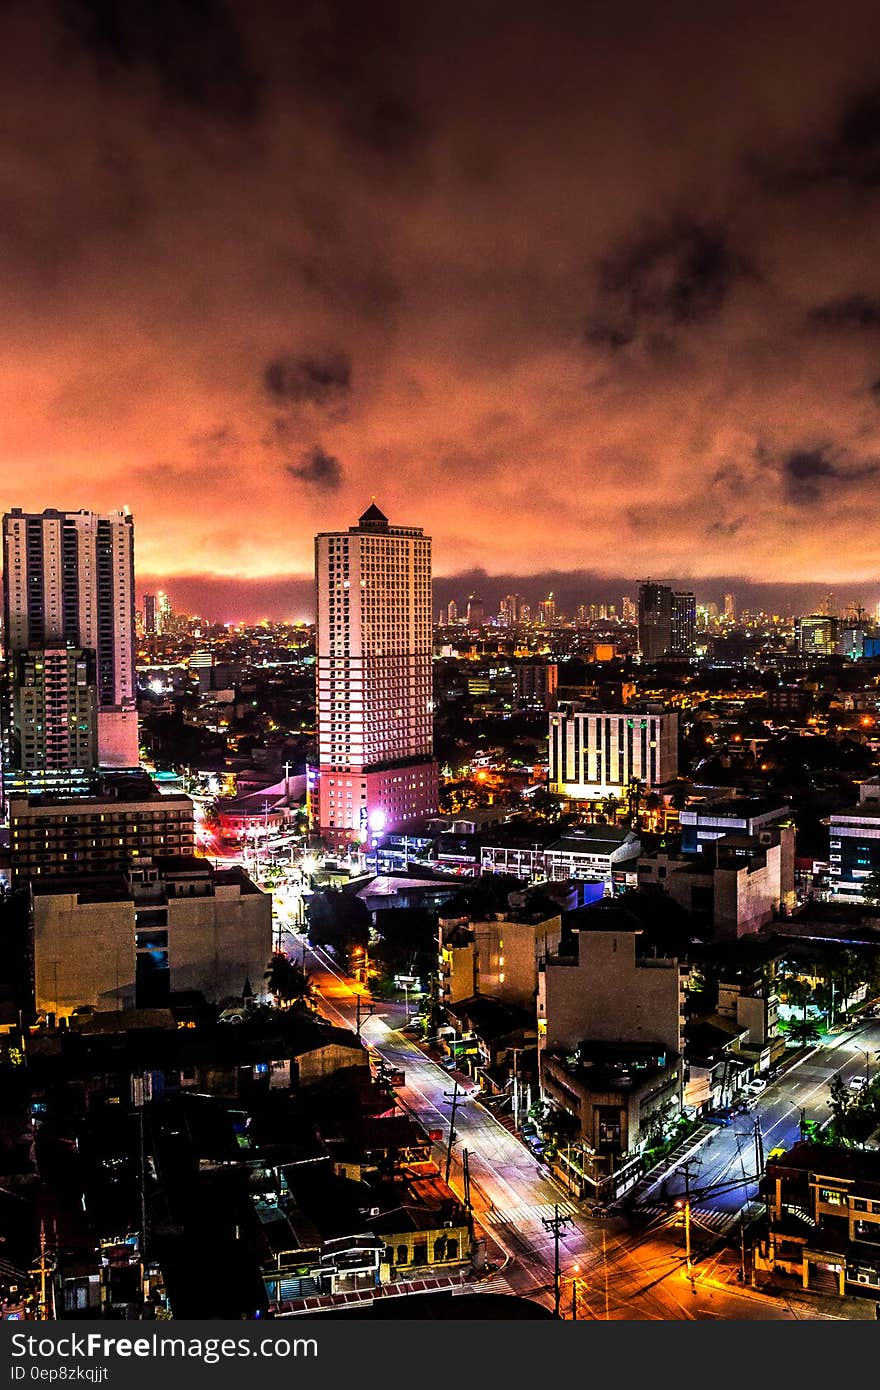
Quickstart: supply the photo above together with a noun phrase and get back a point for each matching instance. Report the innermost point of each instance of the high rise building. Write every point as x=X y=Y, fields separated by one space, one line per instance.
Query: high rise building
x=816 y=634
x=655 y=620
x=164 y=614
x=582 y=613
x=525 y=612
x=69 y=626
x=730 y=607
x=452 y=612
x=547 y=611
x=510 y=606
x=476 y=613
x=629 y=612
x=684 y=624
x=150 y=615
x=374 y=679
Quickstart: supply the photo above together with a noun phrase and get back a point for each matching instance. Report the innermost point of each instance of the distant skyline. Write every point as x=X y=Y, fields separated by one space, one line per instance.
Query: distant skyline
x=292 y=597
x=604 y=294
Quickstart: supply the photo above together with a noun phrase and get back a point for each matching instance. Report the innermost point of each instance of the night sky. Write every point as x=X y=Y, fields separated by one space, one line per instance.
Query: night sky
x=583 y=287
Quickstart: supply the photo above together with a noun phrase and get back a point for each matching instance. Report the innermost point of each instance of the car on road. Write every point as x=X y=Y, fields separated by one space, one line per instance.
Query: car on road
x=599 y=1212
x=717 y=1117
x=746 y=1105
x=858 y=1083
x=756 y=1086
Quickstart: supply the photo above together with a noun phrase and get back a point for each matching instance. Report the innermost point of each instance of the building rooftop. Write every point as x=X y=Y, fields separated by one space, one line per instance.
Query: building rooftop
x=593 y=839
x=732 y=808
x=832 y=1161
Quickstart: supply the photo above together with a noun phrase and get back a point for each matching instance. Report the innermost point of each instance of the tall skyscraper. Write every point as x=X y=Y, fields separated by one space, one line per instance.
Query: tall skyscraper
x=509 y=610
x=452 y=612
x=374 y=681
x=150 y=615
x=547 y=611
x=655 y=620
x=730 y=607
x=476 y=613
x=69 y=644
x=164 y=614
x=684 y=624
x=628 y=610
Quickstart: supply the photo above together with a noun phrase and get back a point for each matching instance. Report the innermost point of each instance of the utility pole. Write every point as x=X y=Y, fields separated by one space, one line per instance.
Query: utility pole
x=451 y=1130
x=466 y=1174
x=557 y=1225
x=759 y=1151
x=686 y=1170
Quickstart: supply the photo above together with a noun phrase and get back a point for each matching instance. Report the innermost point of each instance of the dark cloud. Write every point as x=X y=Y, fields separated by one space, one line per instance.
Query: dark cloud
x=668 y=279
x=195 y=50
x=319 y=469
x=855 y=311
x=807 y=474
x=844 y=151
x=352 y=63
x=321 y=380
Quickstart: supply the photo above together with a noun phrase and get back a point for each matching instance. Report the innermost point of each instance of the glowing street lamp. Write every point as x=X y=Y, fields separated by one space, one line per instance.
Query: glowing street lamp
x=377 y=821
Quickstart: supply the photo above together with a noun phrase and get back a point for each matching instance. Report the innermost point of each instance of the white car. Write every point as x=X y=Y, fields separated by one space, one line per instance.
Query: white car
x=756 y=1086
x=858 y=1083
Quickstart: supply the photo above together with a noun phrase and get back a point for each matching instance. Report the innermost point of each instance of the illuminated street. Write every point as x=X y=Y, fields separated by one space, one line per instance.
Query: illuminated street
x=640 y=1273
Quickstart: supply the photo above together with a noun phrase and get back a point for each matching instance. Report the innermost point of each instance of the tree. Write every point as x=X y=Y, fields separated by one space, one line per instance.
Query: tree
x=287 y=981
x=804 y=1031
x=871 y=887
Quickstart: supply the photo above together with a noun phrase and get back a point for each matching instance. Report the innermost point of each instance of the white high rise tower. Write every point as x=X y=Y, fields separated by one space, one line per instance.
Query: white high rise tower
x=374 y=680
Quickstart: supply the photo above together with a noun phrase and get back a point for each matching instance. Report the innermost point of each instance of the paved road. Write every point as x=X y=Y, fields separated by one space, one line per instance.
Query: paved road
x=724 y=1175
x=619 y=1274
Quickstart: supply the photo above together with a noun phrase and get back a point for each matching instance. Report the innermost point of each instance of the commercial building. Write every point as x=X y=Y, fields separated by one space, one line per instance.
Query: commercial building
x=683 y=636
x=816 y=635
x=705 y=821
x=68 y=587
x=853 y=847
x=655 y=620
x=121 y=942
x=127 y=822
x=536 y=684
x=596 y=753
x=374 y=678
x=597 y=853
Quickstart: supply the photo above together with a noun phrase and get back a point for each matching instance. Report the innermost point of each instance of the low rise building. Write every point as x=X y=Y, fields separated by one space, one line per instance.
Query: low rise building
x=823 y=1219
x=735 y=885
x=498 y=957
x=610 y=1032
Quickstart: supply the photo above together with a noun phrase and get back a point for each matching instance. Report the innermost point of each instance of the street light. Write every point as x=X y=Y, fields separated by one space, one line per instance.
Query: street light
x=377 y=821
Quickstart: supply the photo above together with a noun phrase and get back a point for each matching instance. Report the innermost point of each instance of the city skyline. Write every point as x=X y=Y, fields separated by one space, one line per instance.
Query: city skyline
x=283 y=249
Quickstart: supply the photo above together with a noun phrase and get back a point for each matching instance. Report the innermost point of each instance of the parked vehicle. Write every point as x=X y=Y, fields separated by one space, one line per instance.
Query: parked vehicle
x=858 y=1083
x=717 y=1117
x=756 y=1086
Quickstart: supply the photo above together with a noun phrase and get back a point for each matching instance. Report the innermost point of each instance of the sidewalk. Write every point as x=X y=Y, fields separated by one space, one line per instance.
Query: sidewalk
x=810 y=1305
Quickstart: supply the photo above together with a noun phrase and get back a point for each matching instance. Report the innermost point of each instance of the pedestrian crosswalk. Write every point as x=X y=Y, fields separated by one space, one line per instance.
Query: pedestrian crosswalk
x=526 y=1211
x=718 y=1221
